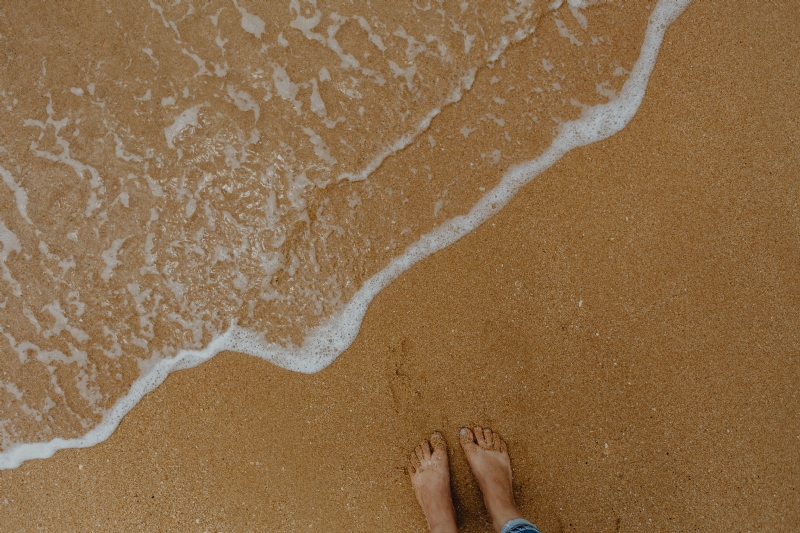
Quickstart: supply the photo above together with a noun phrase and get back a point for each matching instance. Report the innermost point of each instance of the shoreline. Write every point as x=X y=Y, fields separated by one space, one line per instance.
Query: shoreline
x=641 y=294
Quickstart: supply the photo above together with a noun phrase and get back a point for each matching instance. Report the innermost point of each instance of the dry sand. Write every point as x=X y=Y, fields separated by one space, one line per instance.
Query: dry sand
x=630 y=323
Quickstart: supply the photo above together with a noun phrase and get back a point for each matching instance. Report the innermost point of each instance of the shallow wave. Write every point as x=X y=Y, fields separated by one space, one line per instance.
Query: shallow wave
x=225 y=184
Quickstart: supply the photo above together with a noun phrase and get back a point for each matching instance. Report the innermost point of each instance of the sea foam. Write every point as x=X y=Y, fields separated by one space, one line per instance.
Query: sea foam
x=329 y=339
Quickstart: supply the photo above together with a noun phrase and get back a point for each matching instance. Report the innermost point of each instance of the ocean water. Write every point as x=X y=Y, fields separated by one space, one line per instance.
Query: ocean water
x=185 y=177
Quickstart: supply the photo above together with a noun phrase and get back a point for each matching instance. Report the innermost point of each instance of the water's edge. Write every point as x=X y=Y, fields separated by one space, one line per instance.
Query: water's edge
x=334 y=336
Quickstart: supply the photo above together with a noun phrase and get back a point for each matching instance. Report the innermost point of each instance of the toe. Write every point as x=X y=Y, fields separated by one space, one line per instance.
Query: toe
x=479 y=438
x=426 y=450
x=438 y=442
x=414 y=464
x=467 y=439
x=420 y=454
x=503 y=447
x=497 y=444
x=489 y=438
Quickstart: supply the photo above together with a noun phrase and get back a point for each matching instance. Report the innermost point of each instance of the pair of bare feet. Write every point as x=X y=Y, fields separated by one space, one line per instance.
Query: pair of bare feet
x=488 y=458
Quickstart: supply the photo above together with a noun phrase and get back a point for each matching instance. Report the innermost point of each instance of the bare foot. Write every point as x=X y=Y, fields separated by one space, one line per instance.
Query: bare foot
x=430 y=475
x=488 y=458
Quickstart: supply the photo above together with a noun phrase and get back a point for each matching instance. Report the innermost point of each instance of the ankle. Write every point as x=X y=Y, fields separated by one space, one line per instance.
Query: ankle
x=500 y=516
x=444 y=528
x=442 y=520
x=443 y=525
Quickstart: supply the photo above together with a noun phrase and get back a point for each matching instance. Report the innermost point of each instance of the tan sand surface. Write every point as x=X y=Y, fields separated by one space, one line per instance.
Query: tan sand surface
x=630 y=324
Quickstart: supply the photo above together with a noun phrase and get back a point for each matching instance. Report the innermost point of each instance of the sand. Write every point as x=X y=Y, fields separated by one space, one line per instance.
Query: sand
x=630 y=324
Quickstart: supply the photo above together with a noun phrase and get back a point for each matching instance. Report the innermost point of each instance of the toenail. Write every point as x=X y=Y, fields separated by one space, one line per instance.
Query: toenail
x=463 y=431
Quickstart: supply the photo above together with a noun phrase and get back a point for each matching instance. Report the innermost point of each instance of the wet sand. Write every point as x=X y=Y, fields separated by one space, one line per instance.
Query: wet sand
x=630 y=324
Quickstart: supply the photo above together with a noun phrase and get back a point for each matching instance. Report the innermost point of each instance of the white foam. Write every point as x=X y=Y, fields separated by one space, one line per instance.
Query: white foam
x=185 y=119
x=145 y=98
x=374 y=37
x=318 y=104
x=20 y=195
x=244 y=101
x=251 y=23
x=579 y=17
x=120 y=152
x=64 y=157
x=32 y=319
x=564 y=32
x=60 y=323
x=10 y=244
x=320 y=148
x=306 y=24
x=465 y=82
x=202 y=70
x=332 y=337
x=110 y=258
x=285 y=87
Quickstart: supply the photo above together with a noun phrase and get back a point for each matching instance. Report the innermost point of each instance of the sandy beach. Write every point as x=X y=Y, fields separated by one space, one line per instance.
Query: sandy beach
x=629 y=323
